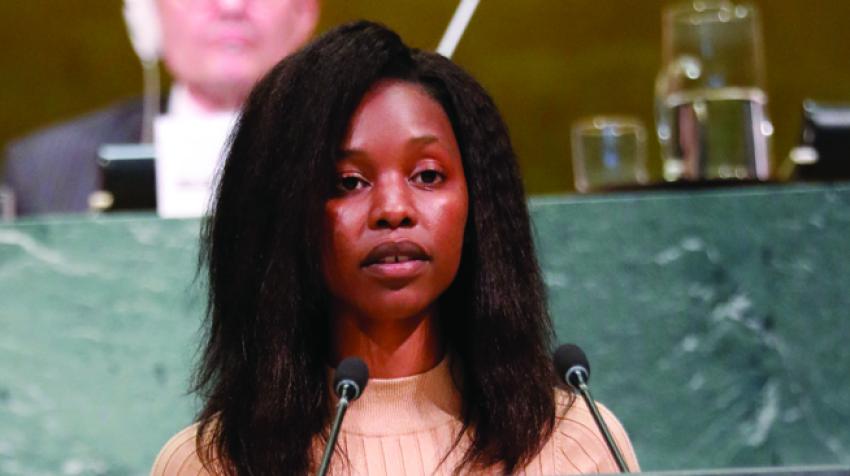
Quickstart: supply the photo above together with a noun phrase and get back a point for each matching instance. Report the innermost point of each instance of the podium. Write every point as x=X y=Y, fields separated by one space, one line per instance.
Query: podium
x=715 y=322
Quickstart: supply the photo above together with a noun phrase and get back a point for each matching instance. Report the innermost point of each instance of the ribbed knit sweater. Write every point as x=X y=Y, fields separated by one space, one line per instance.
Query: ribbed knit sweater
x=405 y=426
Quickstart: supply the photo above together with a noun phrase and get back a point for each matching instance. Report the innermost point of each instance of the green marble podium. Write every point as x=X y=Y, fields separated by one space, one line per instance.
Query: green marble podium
x=715 y=321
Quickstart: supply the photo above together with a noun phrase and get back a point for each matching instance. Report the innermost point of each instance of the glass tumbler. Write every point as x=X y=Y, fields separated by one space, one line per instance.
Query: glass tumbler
x=609 y=152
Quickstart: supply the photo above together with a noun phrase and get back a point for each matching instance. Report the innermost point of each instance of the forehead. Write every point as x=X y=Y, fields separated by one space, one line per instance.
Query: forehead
x=399 y=109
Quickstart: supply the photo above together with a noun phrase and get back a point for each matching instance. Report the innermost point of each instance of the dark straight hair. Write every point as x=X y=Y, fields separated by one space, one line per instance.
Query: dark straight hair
x=262 y=374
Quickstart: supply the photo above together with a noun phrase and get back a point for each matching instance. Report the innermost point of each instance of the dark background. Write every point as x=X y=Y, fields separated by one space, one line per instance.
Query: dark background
x=546 y=63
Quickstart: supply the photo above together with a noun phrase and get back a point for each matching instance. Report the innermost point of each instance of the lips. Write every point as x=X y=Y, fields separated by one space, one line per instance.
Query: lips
x=232 y=36
x=396 y=252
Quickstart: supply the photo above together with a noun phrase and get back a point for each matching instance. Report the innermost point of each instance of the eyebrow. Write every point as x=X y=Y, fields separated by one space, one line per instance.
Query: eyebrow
x=416 y=141
x=422 y=140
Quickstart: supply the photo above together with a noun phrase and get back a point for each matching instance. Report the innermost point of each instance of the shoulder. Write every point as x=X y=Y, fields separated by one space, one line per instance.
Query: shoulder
x=179 y=456
x=577 y=443
x=119 y=122
x=55 y=169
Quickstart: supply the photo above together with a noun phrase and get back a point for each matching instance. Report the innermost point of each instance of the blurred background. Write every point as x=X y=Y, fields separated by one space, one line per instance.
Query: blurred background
x=546 y=63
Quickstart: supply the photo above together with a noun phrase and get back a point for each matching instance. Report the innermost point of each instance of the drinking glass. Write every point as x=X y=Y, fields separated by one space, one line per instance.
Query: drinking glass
x=711 y=107
x=609 y=152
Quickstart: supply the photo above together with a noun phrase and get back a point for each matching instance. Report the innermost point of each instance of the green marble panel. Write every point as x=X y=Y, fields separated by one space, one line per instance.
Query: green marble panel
x=715 y=323
x=98 y=325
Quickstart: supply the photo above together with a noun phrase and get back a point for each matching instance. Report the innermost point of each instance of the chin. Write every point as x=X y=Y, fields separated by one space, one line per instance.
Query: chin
x=397 y=306
x=235 y=71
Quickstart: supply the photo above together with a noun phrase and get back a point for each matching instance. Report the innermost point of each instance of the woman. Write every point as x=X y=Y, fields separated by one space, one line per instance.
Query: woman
x=371 y=205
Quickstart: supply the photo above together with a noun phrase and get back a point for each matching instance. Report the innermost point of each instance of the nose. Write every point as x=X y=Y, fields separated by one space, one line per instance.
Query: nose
x=231 y=6
x=392 y=205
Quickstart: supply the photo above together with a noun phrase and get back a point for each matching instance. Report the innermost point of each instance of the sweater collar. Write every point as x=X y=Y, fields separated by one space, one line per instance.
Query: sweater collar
x=406 y=404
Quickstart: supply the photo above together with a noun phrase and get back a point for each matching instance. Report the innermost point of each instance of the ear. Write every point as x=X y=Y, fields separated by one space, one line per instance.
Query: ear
x=144 y=29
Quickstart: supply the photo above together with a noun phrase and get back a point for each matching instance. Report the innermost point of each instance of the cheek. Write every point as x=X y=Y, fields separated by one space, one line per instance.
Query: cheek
x=451 y=221
x=275 y=28
x=340 y=234
x=184 y=43
x=461 y=219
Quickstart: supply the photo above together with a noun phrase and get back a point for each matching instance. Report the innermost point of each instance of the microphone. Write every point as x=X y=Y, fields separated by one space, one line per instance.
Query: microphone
x=350 y=379
x=574 y=370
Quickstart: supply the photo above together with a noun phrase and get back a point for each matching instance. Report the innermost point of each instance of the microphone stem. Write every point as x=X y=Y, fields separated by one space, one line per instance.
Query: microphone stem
x=585 y=393
x=341 y=407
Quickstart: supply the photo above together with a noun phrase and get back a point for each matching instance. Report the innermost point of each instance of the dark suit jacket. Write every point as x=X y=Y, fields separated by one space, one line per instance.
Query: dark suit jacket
x=54 y=170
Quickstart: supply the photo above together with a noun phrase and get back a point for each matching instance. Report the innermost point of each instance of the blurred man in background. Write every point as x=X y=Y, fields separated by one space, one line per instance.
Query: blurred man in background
x=214 y=49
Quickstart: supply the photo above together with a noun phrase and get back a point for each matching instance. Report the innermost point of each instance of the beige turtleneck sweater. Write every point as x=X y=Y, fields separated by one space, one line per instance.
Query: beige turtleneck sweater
x=405 y=426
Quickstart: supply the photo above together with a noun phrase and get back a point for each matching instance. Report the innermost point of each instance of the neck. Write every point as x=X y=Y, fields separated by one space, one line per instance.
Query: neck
x=391 y=348
x=211 y=99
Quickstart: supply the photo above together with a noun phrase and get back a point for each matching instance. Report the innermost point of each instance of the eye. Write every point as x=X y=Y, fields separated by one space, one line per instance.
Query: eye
x=428 y=177
x=350 y=183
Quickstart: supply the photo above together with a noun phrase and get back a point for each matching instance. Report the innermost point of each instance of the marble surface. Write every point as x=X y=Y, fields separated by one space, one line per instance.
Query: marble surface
x=98 y=326
x=715 y=322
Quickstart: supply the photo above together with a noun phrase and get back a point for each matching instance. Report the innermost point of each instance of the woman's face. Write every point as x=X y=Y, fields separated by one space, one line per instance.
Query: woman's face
x=394 y=228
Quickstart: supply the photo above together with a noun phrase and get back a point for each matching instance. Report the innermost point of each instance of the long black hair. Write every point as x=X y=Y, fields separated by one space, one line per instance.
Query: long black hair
x=263 y=369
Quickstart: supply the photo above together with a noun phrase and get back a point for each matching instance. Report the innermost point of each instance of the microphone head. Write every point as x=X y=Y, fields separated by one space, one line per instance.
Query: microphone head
x=570 y=360
x=351 y=372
